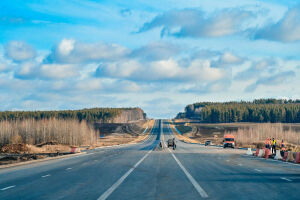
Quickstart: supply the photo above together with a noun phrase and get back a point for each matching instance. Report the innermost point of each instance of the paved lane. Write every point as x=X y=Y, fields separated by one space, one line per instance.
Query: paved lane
x=143 y=171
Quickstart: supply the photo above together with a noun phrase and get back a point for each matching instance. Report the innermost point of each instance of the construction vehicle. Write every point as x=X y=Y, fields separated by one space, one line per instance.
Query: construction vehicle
x=229 y=141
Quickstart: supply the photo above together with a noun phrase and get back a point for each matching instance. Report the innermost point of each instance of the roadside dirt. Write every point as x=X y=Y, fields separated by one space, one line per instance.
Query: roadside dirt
x=15 y=153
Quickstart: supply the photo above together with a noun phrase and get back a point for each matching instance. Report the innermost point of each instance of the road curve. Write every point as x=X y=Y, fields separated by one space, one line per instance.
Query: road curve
x=144 y=171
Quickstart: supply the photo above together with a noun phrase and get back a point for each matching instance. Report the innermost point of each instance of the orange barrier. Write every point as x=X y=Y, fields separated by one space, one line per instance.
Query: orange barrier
x=285 y=156
x=75 y=150
x=297 y=160
x=267 y=153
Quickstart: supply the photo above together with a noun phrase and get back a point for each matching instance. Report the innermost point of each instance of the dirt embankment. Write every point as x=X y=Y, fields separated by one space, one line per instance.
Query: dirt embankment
x=114 y=134
x=129 y=115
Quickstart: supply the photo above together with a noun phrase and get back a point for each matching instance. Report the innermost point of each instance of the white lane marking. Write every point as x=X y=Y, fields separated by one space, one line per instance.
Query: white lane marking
x=227 y=160
x=120 y=181
x=199 y=189
x=289 y=180
x=258 y=170
x=69 y=168
x=6 y=188
x=240 y=164
x=189 y=176
x=163 y=136
x=46 y=175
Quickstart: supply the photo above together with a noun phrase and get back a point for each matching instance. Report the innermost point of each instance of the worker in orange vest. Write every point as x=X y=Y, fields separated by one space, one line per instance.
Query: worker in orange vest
x=268 y=143
x=283 y=149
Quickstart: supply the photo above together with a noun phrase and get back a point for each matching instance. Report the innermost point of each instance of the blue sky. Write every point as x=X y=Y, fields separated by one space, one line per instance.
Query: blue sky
x=74 y=54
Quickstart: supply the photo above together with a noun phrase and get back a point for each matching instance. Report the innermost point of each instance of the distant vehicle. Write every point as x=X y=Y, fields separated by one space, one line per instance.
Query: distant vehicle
x=208 y=142
x=171 y=143
x=229 y=141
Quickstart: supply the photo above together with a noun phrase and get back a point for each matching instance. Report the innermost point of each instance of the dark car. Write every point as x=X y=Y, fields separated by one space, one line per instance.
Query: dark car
x=171 y=143
x=208 y=142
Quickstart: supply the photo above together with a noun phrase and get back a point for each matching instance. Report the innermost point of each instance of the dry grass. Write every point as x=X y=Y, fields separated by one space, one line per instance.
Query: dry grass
x=181 y=137
x=117 y=138
x=30 y=131
x=258 y=134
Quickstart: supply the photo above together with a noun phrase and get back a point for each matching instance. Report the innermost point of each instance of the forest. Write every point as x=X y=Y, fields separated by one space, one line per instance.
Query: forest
x=259 y=110
x=89 y=115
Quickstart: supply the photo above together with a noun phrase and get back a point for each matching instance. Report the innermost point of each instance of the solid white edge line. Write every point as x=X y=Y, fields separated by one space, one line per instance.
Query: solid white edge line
x=199 y=189
x=110 y=190
x=6 y=188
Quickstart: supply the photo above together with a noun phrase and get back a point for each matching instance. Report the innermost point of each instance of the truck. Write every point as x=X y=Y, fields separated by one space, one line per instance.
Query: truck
x=228 y=141
x=171 y=143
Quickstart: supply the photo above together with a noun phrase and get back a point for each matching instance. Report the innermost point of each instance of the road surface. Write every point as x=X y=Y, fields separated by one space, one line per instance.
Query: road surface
x=144 y=171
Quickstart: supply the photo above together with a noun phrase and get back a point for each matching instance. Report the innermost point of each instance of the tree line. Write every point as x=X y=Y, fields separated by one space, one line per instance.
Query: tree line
x=90 y=115
x=260 y=110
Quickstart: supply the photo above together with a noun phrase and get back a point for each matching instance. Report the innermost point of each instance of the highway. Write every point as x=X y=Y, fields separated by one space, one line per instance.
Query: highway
x=144 y=171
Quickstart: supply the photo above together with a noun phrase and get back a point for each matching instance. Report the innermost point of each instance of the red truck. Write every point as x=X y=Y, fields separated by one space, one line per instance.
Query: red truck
x=228 y=141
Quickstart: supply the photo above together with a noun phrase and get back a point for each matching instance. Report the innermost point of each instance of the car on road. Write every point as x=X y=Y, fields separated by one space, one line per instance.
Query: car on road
x=208 y=142
x=171 y=143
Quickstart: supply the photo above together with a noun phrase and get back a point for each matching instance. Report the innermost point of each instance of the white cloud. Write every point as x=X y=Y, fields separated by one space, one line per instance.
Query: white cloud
x=65 y=47
x=163 y=70
x=3 y=67
x=195 y=23
x=71 y=51
x=156 y=51
x=58 y=71
x=273 y=80
x=19 y=51
x=286 y=29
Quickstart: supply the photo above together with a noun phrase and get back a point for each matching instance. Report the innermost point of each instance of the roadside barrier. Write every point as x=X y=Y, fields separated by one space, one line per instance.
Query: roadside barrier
x=278 y=155
x=261 y=153
x=249 y=152
x=257 y=151
x=75 y=150
x=290 y=157
x=297 y=160
x=285 y=156
x=267 y=153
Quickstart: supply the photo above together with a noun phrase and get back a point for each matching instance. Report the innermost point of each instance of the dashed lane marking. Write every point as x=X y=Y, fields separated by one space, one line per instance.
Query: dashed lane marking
x=258 y=170
x=46 y=176
x=199 y=189
x=69 y=168
x=108 y=192
x=286 y=179
x=6 y=188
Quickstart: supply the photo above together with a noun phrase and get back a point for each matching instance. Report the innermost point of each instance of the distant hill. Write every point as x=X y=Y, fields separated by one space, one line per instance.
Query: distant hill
x=112 y=115
x=259 y=110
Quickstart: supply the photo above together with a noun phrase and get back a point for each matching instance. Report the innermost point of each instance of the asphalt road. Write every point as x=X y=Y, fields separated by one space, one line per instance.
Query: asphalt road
x=145 y=171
